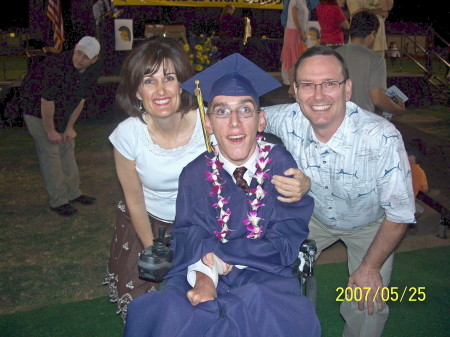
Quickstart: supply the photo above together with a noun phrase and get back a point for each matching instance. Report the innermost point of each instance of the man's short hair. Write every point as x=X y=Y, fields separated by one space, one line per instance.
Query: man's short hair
x=363 y=23
x=322 y=51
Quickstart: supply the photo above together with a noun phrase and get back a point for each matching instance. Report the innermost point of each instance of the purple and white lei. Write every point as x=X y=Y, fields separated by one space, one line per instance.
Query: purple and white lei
x=255 y=231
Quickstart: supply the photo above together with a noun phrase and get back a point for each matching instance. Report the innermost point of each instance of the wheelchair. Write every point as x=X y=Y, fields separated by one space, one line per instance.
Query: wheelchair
x=156 y=261
x=303 y=269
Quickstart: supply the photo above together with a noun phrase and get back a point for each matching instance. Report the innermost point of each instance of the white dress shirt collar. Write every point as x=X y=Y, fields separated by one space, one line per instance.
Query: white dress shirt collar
x=250 y=165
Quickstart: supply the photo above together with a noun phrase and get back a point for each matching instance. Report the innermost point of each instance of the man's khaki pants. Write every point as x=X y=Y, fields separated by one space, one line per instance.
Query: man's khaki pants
x=357 y=323
x=57 y=163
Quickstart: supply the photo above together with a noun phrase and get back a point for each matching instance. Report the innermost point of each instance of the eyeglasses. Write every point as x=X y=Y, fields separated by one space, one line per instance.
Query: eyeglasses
x=327 y=86
x=243 y=112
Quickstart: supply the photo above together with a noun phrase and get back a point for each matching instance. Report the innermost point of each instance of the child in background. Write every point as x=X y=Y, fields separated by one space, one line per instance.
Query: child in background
x=416 y=150
x=393 y=52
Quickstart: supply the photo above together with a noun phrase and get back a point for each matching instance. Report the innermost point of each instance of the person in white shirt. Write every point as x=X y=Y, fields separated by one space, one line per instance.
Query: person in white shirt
x=295 y=36
x=360 y=179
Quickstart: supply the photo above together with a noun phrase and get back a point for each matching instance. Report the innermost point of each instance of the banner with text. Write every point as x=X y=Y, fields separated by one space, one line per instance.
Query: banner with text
x=261 y=4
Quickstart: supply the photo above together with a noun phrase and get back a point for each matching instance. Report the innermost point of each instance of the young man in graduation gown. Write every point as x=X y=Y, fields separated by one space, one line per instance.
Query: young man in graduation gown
x=234 y=241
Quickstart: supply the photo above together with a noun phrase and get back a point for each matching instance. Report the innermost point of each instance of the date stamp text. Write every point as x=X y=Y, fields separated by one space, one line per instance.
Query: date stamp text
x=411 y=294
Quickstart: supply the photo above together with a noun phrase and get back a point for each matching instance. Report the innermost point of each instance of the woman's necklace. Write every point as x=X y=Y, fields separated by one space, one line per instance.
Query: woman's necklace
x=252 y=217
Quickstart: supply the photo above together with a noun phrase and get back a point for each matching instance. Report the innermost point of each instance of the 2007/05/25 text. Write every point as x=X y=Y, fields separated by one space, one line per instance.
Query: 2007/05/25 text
x=413 y=294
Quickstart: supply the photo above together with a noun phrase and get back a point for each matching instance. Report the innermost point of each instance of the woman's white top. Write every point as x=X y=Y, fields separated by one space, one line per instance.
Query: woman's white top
x=303 y=14
x=158 y=168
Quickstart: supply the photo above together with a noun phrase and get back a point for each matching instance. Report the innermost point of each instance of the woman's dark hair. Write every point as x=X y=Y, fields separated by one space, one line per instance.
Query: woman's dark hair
x=322 y=51
x=146 y=59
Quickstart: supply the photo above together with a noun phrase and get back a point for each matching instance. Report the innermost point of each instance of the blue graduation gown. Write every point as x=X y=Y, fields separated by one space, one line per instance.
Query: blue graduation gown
x=261 y=300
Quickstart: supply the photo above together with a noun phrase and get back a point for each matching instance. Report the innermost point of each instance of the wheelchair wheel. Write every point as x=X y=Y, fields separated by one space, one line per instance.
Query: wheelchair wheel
x=311 y=289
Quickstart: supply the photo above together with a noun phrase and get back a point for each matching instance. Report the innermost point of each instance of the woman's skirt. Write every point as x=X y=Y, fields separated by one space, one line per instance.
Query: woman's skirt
x=292 y=48
x=122 y=274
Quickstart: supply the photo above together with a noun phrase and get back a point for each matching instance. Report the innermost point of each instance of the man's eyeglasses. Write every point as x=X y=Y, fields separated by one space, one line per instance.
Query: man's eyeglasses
x=243 y=112
x=327 y=86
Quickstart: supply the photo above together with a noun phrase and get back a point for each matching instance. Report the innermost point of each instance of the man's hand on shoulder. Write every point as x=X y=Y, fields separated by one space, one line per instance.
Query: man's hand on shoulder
x=367 y=280
x=54 y=137
x=293 y=189
x=69 y=135
x=203 y=291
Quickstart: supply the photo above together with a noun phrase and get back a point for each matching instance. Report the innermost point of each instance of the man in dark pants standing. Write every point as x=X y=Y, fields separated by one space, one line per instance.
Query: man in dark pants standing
x=53 y=96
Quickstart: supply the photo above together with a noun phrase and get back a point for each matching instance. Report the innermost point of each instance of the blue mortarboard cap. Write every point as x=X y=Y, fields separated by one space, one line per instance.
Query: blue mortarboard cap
x=233 y=76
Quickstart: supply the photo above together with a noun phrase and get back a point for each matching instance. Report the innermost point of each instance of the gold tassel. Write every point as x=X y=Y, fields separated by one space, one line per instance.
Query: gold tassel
x=201 y=107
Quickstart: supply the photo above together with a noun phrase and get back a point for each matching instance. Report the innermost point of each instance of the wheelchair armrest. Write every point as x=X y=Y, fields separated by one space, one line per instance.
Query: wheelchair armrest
x=155 y=265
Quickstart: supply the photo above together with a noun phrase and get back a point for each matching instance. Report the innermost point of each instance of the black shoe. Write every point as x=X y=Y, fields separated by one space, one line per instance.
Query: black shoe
x=83 y=199
x=65 y=210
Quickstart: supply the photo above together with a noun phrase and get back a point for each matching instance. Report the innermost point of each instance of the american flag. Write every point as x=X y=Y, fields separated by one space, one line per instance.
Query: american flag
x=54 y=12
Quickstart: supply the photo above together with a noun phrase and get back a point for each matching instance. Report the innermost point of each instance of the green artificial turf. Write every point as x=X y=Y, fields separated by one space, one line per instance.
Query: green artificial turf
x=427 y=268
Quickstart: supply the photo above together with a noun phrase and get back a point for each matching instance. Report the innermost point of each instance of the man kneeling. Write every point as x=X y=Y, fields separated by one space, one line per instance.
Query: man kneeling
x=234 y=241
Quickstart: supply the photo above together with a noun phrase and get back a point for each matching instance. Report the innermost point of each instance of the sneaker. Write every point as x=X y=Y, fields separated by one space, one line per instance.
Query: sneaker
x=65 y=210
x=83 y=199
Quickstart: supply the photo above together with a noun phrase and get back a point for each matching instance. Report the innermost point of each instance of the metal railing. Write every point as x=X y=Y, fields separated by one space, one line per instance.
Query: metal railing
x=441 y=86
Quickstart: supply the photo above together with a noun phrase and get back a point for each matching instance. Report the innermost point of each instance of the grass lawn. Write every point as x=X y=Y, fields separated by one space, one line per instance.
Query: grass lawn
x=408 y=66
x=434 y=119
x=45 y=258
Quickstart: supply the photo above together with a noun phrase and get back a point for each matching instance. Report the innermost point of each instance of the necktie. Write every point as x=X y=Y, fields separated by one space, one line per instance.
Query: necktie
x=239 y=176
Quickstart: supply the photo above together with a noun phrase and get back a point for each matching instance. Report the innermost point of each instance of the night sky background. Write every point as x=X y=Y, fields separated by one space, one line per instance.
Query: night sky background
x=432 y=12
